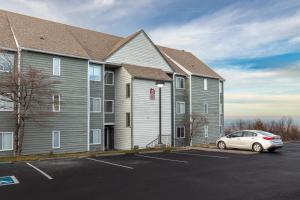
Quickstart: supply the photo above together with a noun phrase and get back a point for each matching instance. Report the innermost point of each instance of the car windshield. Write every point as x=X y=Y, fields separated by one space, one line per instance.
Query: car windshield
x=265 y=133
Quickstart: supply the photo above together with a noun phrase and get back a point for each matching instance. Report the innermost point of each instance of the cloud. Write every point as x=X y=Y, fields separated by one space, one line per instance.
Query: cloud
x=237 y=31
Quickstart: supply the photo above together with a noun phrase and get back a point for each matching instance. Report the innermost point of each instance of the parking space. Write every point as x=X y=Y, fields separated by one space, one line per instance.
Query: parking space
x=176 y=175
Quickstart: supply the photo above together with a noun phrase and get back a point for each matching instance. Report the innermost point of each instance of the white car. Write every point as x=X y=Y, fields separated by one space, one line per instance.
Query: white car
x=251 y=140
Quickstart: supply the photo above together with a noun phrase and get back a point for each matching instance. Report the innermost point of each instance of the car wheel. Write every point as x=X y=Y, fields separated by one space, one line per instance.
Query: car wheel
x=221 y=145
x=257 y=147
x=271 y=150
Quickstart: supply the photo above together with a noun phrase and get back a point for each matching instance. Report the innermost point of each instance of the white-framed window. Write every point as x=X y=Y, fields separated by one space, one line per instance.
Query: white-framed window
x=180 y=83
x=205 y=84
x=6 y=141
x=128 y=120
x=220 y=87
x=6 y=62
x=109 y=78
x=95 y=72
x=180 y=107
x=206 y=131
x=109 y=106
x=95 y=136
x=56 y=103
x=6 y=104
x=221 y=108
x=205 y=108
x=55 y=139
x=95 y=104
x=56 y=66
x=180 y=132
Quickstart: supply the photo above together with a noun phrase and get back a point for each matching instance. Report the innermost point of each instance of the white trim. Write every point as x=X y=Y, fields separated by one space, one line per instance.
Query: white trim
x=88 y=108
x=174 y=110
x=12 y=141
x=100 y=101
x=8 y=49
x=56 y=147
x=113 y=77
x=183 y=131
x=103 y=114
x=113 y=107
x=100 y=134
x=53 y=67
x=205 y=84
x=100 y=71
x=191 y=111
x=180 y=102
x=179 y=65
x=53 y=107
x=109 y=123
x=205 y=131
x=178 y=77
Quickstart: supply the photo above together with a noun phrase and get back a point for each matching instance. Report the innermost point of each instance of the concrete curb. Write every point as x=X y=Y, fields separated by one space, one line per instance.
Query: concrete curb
x=224 y=151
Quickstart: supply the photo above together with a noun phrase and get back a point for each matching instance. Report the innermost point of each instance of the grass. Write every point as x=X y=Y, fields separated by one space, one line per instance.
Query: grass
x=36 y=157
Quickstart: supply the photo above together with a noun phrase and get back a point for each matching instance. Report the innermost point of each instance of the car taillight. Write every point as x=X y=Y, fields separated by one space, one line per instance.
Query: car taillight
x=268 y=138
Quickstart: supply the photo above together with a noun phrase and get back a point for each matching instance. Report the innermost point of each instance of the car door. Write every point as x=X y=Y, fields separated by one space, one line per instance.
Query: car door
x=248 y=139
x=234 y=139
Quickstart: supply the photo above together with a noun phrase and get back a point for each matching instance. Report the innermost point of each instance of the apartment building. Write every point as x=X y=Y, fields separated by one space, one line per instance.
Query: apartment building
x=108 y=96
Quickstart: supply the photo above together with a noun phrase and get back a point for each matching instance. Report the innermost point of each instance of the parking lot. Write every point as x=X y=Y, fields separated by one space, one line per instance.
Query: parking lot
x=179 y=175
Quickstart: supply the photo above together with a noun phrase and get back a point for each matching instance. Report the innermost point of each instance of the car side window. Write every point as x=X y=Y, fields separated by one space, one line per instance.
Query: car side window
x=236 y=134
x=248 y=134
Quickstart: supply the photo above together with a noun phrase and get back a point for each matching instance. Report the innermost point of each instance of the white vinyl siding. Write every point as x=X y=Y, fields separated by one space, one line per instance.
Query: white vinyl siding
x=6 y=104
x=180 y=107
x=56 y=66
x=55 y=139
x=6 y=62
x=206 y=131
x=95 y=136
x=109 y=78
x=109 y=106
x=94 y=72
x=180 y=132
x=95 y=104
x=205 y=84
x=6 y=141
x=56 y=103
x=180 y=83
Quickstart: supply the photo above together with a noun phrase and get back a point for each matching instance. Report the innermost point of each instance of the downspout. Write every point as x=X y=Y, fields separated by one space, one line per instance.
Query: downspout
x=191 y=139
x=131 y=111
x=103 y=95
x=88 y=108
x=173 y=106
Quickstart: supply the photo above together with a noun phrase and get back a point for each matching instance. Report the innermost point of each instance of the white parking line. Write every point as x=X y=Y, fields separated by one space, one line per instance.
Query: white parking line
x=37 y=169
x=200 y=155
x=159 y=158
x=109 y=163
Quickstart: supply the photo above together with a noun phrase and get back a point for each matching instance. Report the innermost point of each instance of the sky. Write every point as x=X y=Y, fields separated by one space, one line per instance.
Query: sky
x=254 y=45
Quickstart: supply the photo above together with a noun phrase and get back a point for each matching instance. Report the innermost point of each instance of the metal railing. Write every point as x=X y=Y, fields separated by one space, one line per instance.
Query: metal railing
x=165 y=139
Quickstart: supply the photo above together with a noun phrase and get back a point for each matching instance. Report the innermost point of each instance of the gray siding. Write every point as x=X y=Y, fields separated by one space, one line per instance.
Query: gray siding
x=71 y=121
x=109 y=95
x=122 y=133
x=140 y=51
x=96 y=118
x=211 y=96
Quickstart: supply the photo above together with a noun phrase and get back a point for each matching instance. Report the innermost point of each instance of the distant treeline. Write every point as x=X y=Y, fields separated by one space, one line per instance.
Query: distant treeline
x=285 y=127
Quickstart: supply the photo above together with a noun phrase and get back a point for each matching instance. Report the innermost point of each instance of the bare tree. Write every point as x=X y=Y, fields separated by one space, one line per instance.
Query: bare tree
x=193 y=122
x=28 y=91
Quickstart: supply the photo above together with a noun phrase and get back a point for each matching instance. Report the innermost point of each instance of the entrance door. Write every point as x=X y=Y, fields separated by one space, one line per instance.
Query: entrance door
x=109 y=137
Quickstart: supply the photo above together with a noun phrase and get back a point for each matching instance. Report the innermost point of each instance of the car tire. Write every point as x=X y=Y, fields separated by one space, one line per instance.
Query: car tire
x=221 y=145
x=256 y=147
x=271 y=150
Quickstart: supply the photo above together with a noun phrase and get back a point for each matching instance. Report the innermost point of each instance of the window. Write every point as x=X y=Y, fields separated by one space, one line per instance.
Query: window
x=95 y=104
x=221 y=87
x=236 y=134
x=56 y=66
x=128 y=90
x=180 y=107
x=109 y=78
x=6 y=62
x=179 y=83
x=6 y=104
x=249 y=134
x=95 y=73
x=6 y=141
x=55 y=139
x=205 y=108
x=206 y=131
x=109 y=106
x=95 y=136
x=128 y=123
x=205 y=84
x=180 y=132
x=56 y=103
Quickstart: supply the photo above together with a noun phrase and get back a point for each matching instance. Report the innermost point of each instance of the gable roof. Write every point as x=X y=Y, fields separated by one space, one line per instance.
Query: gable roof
x=190 y=62
x=7 y=39
x=146 y=72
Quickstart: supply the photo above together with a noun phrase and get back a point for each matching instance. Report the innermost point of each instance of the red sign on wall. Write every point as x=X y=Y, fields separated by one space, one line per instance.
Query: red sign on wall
x=152 y=94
